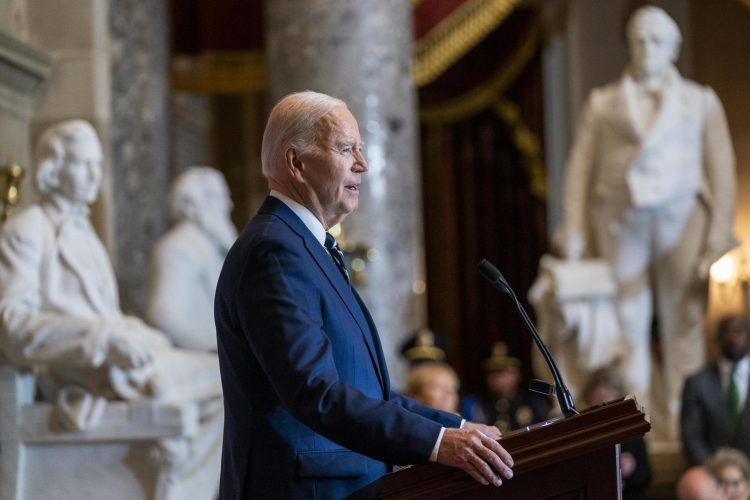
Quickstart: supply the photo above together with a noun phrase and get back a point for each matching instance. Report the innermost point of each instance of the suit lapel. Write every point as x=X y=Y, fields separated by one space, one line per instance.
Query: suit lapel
x=332 y=273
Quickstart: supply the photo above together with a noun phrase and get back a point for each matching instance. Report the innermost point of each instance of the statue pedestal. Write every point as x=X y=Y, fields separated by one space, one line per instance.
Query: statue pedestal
x=141 y=449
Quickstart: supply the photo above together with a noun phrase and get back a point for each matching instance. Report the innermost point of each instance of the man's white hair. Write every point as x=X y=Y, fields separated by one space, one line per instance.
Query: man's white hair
x=655 y=15
x=51 y=150
x=293 y=123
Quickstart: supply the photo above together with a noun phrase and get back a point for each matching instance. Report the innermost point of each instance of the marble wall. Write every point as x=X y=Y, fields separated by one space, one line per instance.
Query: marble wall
x=140 y=139
x=360 y=52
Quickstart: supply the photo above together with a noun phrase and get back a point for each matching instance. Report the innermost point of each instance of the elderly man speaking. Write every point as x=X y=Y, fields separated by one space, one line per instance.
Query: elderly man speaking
x=309 y=407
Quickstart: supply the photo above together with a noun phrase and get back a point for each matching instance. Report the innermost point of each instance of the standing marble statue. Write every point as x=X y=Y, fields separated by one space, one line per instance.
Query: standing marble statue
x=187 y=260
x=650 y=188
x=59 y=308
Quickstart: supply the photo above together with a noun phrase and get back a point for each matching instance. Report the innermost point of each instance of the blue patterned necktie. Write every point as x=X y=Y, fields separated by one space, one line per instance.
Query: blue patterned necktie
x=337 y=255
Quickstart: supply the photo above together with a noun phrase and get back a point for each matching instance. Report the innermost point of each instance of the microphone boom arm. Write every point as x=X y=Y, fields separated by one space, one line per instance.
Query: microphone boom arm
x=564 y=399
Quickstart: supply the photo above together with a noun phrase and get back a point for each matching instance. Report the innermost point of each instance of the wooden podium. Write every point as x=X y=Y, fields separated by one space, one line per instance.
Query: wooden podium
x=573 y=458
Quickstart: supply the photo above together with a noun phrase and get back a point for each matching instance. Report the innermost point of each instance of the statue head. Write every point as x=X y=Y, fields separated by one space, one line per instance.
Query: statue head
x=200 y=196
x=69 y=161
x=654 y=39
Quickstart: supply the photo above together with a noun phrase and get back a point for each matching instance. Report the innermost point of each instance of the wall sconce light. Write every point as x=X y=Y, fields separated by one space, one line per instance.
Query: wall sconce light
x=731 y=272
x=10 y=178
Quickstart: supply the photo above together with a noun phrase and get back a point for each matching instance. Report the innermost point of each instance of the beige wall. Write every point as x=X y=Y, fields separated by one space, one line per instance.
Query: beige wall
x=721 y=59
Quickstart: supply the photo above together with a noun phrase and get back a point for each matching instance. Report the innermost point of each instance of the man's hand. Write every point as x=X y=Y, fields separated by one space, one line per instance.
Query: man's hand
x=477 y=453
x=488 y=430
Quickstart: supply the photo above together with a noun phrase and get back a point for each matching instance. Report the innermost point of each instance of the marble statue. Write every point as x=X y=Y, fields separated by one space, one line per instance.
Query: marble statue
x=574 y=302
x=60 y=317
x=650 y=188
x=187 y=260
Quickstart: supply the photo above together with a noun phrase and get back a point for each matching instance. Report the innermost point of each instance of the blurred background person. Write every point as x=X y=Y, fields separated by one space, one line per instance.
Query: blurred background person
x=604 y=385
x=714 y=400
x=506 y=404
x=430 y=375
x=434 y=384
x=697 y=483
x=732 y=469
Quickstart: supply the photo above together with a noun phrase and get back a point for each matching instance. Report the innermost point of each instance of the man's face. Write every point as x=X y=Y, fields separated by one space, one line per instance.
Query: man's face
x=651 y=49
x=734 y=340
x=81 y=173
x=332 y=172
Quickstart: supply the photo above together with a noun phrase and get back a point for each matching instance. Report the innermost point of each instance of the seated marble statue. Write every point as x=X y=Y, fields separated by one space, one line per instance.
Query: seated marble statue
x=59 y=307
x=187 y=260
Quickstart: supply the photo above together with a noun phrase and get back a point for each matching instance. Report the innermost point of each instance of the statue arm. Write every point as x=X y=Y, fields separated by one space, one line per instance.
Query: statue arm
x=720 y=179
x=28 y=334
x=571 y=239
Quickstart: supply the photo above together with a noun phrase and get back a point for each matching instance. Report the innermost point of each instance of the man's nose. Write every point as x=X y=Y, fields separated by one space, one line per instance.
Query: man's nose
x=361 y=161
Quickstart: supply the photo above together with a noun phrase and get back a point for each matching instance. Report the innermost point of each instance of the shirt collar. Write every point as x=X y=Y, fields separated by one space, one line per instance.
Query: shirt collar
x=308 y=219
x=725 y=366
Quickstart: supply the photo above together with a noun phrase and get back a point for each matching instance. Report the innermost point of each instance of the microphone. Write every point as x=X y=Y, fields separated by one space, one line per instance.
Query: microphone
x=494 y=276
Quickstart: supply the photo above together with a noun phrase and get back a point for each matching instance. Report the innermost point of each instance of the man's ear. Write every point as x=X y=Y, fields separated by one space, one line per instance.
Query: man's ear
x=293 y=162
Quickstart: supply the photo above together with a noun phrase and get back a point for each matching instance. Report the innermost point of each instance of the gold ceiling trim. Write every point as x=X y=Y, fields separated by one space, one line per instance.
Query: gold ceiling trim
x=220 y=72
x=485 y=95
x=527 y=143
x=454 y=36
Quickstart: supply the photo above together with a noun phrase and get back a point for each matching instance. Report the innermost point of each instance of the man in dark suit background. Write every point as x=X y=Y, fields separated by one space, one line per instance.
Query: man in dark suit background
x=715 y=410
x=309 y=411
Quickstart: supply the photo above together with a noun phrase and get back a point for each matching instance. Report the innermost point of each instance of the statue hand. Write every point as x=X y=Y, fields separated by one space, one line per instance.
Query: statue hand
x=126 y=354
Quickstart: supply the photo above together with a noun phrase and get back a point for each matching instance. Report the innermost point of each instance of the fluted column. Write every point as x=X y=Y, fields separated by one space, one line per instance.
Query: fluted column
x=360 y=52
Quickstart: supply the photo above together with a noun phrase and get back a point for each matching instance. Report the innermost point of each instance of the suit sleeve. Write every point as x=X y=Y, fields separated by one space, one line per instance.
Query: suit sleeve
x=28 y=334
x=279 y=310
x=693 y=424
x=446 y=419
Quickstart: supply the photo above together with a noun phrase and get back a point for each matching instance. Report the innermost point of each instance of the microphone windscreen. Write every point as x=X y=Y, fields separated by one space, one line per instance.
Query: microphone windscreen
x=489 y=271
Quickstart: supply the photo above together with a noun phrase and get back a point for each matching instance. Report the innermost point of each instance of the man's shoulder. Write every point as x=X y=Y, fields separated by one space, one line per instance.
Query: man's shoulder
x=702 y=376
x=266 y=233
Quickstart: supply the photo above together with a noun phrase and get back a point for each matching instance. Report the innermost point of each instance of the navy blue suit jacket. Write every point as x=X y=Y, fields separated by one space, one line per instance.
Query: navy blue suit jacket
x=309 y=411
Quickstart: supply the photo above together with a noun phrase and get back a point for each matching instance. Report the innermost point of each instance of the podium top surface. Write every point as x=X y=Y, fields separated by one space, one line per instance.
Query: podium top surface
x=539 y=445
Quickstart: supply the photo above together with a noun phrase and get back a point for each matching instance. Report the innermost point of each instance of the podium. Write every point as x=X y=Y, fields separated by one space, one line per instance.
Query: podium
x=564 y=458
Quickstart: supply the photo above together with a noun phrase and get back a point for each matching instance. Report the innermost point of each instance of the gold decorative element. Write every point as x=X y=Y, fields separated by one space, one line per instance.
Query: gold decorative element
x=485 y=95
x=424 y=347
x=499 y=359
x=527 y=143
x=746 y=2
x=455 y=35
x=10 y=176
x=224 y=72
